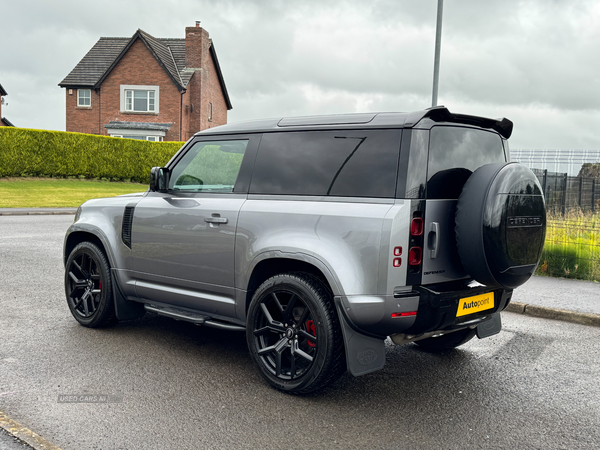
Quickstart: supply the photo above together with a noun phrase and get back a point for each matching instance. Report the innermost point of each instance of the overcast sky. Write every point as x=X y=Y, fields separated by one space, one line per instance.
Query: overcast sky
x=536 y=62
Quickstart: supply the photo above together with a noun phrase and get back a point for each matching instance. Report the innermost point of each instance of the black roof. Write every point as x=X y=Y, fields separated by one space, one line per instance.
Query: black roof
x=7 y=122
x=2 y=91
x=97 y=64
x=364 y=120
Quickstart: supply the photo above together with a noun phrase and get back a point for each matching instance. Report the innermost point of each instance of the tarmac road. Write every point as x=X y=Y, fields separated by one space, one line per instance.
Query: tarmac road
x=158 y=383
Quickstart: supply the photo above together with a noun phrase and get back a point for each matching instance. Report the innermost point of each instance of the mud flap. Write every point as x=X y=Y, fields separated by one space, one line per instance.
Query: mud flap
x=125 y=310
x=364 y=354
x=489 y=327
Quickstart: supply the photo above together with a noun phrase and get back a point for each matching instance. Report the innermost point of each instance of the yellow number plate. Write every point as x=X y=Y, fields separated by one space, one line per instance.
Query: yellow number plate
x=475 y=304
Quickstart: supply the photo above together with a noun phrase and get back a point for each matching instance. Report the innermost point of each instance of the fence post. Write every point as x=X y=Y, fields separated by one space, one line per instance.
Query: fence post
x=593 y=195
x=564 y=208
x=545 y=182
x=580 y=191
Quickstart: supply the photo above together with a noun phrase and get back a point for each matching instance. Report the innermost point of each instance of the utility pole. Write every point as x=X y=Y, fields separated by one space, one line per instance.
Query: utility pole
x=436 y=61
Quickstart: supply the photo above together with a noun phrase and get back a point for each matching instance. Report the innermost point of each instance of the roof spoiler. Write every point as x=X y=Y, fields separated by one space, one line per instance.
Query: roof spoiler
x=441 y=114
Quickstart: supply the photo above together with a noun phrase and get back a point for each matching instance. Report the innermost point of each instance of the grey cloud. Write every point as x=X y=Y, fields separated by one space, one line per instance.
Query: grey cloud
x=532 y=60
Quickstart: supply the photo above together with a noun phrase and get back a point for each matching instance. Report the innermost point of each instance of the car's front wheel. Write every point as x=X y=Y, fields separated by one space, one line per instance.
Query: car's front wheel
x=294 y=335
x=88 y=286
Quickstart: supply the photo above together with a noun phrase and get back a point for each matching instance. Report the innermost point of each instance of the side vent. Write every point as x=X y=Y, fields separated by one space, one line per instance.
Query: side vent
x=127 y=223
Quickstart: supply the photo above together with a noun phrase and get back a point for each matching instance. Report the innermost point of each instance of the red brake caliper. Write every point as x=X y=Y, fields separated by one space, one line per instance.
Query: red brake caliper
x=310 y=327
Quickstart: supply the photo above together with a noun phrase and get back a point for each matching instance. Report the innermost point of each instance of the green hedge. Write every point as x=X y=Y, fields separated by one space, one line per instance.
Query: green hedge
x=59 y=154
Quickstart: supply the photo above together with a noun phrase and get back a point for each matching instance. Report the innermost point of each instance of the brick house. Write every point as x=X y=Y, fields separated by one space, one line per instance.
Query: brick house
x=148 y=88
x=4 y=122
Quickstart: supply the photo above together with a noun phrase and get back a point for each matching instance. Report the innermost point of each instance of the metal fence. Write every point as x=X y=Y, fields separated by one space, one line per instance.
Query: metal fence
x=564 y=194
x=572 y=248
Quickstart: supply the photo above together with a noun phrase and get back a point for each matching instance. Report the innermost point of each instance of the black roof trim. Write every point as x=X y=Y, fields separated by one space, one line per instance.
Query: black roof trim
x=2 y=91
x=7 y=122
x=213 y=53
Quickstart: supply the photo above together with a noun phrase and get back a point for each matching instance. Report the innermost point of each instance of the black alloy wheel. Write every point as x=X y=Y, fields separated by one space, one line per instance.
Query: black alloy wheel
x=294 y=335
x=88 y=286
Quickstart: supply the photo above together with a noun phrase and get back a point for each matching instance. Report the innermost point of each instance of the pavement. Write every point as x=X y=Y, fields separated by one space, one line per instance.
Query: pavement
x=567 y=300
x=35 y=211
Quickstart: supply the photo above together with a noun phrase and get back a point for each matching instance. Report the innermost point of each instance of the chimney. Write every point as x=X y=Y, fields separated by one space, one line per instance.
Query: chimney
x=196 y=46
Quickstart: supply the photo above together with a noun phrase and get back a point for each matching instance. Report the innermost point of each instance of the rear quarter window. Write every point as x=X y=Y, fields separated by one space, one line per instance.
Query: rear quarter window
x=455 y=153
x=321 y=163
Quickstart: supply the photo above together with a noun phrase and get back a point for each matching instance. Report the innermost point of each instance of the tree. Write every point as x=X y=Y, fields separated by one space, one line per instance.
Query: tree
x=590 y=170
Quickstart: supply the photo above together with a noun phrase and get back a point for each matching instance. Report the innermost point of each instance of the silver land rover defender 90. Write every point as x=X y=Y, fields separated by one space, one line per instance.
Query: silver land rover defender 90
x=319 y=237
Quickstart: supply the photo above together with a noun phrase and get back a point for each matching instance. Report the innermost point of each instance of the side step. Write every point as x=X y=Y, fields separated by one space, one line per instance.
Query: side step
x=188 y=316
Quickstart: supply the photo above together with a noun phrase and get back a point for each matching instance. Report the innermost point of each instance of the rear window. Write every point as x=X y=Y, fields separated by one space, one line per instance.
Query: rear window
x=320 y=163
x=454 y=153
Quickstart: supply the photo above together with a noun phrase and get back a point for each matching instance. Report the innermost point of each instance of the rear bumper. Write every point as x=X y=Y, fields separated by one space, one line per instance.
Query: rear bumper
x=381 y=316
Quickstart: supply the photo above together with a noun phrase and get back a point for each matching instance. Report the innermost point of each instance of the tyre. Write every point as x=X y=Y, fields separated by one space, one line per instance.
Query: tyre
x=501 y=224
x=88 y=286
x=447 y=341
x=294 y=335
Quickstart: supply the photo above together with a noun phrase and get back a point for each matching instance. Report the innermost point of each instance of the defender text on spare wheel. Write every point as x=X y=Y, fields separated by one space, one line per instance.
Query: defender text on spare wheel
x=319 y=237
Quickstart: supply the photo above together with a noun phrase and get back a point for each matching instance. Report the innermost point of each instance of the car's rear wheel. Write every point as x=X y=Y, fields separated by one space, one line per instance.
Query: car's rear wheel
x=88 y=286
x=447 y=341
x=294 y=335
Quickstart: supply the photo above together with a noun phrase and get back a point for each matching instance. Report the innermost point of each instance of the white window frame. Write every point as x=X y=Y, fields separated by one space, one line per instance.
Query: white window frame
x=80 y=97
x=148 y=135
x=125 y=88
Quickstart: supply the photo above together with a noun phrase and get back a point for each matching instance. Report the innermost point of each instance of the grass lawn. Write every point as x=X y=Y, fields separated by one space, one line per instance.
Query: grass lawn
x=56 y=192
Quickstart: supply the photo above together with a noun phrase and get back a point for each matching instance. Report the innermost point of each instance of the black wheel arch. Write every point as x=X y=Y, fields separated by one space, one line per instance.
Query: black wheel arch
x=124 y=309
x=76 y=237
x=270 y=267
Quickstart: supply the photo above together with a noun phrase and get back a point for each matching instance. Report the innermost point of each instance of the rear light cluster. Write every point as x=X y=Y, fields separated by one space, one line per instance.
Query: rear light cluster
x=397 y=261
x=415 y=253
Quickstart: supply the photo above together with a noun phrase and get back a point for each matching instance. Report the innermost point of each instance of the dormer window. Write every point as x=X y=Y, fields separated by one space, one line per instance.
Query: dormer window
x=139 y=99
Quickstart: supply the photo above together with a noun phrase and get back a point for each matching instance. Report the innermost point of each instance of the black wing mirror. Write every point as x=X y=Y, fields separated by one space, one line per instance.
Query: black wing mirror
x=159 y=179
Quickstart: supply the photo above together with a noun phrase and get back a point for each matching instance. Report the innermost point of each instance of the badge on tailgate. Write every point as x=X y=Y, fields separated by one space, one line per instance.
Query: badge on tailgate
x=470 y=305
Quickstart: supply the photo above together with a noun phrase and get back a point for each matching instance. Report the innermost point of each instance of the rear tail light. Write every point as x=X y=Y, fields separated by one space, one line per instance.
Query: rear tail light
x=415 y=256
x=416 y=226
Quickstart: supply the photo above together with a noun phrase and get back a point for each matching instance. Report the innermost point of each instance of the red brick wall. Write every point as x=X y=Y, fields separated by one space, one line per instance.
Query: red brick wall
x=212 y=93
x=139 y=67
x=196 y=46
x=82 y=119
x=204 y=86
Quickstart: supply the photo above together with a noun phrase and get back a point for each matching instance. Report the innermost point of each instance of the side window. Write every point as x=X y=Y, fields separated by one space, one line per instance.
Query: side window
x=454 y=153
x=337 y=163
x=209 y=166
x=416 y=173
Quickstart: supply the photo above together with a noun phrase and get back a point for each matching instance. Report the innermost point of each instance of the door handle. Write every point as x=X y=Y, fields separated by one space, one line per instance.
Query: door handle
x=433 y=240
x=216 y=218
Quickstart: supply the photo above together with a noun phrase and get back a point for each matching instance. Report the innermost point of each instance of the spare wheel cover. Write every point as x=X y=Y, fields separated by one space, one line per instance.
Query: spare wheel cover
x=501 y=224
